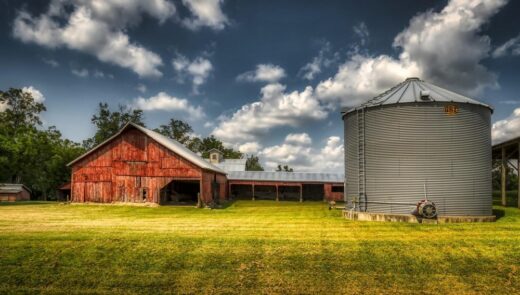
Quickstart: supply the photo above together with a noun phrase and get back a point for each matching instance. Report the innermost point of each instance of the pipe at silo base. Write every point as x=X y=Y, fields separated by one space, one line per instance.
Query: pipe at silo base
x=371 y=216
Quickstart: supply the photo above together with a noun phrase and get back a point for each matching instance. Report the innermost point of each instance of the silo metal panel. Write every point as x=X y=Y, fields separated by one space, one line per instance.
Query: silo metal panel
x=409 y=145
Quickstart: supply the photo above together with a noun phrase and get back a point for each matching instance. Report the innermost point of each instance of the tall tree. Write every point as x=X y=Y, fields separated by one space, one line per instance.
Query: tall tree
x=180 y=131
x=176 y=129
x=20 y=111
x=253 y=164
x=18 y=125
x=29 y=154
x=211 y=142
x=108 y=122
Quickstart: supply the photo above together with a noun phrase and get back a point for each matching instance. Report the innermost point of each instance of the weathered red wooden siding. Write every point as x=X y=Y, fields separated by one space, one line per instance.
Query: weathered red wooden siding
x=330 y=195
x=122 y=168
x=223 y=187
x=24 y=196
x=208 y=178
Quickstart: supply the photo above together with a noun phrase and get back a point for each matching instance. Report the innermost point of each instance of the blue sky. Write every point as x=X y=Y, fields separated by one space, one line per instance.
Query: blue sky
x=267 y=77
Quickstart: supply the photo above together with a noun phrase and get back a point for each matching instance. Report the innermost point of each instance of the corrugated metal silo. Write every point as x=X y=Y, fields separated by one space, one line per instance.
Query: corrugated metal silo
x=418 y=139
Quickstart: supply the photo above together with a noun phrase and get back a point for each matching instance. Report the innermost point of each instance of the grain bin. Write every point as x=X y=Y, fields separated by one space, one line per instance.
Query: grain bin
x=419 y=141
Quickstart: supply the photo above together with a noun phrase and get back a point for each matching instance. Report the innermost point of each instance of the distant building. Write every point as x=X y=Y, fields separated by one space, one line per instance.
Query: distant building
x=12 y=192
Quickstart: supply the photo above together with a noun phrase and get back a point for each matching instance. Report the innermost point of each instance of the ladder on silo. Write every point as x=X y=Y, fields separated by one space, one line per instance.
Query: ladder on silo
x=361 y=159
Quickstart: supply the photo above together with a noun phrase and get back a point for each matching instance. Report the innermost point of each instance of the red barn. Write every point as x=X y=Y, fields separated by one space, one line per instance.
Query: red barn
x=140 y=165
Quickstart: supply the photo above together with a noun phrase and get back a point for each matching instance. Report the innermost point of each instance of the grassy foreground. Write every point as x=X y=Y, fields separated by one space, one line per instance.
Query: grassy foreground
x=249 y=247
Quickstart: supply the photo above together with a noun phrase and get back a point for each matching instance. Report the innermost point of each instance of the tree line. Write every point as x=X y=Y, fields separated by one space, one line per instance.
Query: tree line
x=37 y=156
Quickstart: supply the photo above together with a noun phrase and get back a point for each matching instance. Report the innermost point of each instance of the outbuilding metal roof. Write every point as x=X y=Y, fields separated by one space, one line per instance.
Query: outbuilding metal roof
x=168 y=143
x=415 y=90
x=12 y=188
x=231 y=164
x=286 y=176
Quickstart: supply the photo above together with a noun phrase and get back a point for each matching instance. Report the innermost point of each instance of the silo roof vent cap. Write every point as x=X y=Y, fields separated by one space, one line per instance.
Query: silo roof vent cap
x=413 y=79
x=425 y=95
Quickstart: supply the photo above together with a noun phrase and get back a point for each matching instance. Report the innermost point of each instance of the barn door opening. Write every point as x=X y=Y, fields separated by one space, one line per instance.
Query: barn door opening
x=265 y=192
x=180 y=192
x=242 y=191
x=289 y=193
x=313 y=192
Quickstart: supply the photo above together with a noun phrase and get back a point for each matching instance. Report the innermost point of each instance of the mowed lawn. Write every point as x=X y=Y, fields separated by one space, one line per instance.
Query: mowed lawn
x=248 y=247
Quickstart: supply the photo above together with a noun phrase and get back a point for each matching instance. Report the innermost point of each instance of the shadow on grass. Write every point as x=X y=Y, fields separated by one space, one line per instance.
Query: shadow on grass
x=225 y=204
x=499 y=213
x=24 y=203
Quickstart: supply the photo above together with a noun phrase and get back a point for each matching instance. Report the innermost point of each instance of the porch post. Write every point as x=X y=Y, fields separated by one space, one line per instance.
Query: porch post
x=253 y=186
x=301 y=193
x=277 y=198
x=229 y=195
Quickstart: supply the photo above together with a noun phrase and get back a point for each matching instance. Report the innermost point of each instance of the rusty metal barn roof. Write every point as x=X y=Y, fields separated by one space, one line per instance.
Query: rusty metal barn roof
x=415 y=90
x=286 y=176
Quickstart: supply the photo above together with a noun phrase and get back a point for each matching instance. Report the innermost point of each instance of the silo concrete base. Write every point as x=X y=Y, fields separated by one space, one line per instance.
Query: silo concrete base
x=371 y=216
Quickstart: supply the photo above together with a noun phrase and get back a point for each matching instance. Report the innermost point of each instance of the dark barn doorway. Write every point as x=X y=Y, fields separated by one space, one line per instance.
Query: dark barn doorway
x=180 y=191
x=265 y=192
x=313 y=192
x=241 y=191
x=289 y=193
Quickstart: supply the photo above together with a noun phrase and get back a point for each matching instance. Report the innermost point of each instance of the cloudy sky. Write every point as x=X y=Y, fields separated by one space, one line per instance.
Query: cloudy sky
x=267 y=77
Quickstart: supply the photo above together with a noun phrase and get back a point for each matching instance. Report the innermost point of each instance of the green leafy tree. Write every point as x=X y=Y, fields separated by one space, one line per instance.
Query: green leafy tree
x=29 y=154
x=511 y=177
x=108 y=122
x=284 y=168
x=180 y=131
x=211 y=142
x=176 y=129
x=18 y=122
x=20 y=113
x=253 y=164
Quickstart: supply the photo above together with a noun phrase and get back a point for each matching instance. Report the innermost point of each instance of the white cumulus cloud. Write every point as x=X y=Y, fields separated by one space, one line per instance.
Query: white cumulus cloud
x=298 y=138
x=506 y=129
x=510 y=47
x=303 y=158
x=205 y=13
x=324 y=59
x=82 y=73
x=361 y=30
x=276 y=108
x=164 y=102
x=263 y=73
x=51 y=62
x=141 y=88
x=249 y=147
x=97 y=28
x=197 y=70
x=445 y=48
x=36 y=94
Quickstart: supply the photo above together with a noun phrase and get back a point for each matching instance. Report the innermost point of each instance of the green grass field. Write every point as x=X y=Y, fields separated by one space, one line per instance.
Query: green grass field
x=248 y=247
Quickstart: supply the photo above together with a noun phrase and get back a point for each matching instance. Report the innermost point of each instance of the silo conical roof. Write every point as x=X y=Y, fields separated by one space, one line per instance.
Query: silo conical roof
x=416 y=90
